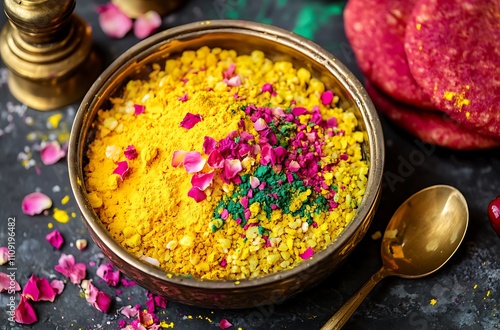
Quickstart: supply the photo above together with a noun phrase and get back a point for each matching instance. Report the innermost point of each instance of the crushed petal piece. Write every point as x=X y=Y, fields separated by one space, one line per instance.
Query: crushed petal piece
x=121 y=169
x=308 y=253
x=36 y=203
x=55 y=238
x=51 y=153
x=190 y=120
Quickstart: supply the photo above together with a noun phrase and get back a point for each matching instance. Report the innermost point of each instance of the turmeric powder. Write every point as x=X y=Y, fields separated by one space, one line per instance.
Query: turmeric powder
x=225 y=166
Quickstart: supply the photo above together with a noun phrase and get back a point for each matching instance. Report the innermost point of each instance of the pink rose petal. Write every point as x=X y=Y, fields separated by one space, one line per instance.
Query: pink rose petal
x=190 y=120
x=215 y=159
x=224 y=324
x=8 y=283
x=234 y=81
x=107 y=273
x=278 y=112
x=267 y=87
x=331 y=122
x=297 y=111
x=178 y=158
x=36 y=203
x=113 y=22
x=4 y=255
x=146 y=24
x=129 y=311
x=51 y=153
x=74 y=271
x=244 y=202
x=57 y=285
x=202 y=180
x=260 y=125
x=254 y=182
x=130 y=152
x=100 y=300
x=194 y=162
x=326 y=97
x=229 y=72
x=39 y=289
x=183 y=98
x=209 y=145
x=139 y=109
x=24 y=312
x=197 y=194
x=160 y=301
x=293 y=166
x=232 y=167
x=121 y=169
x=55 y=238
x=267 y=155
x=308 y=253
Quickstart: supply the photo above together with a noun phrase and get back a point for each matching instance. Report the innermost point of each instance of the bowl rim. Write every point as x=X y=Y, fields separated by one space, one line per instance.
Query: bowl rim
x=310 y=49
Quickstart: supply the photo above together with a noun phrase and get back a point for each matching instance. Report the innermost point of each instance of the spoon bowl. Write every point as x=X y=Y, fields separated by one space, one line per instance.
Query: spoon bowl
x=423 y=234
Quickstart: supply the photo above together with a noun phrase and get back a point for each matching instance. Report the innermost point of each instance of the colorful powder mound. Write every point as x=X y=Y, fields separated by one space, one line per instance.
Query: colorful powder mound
x=235 y=166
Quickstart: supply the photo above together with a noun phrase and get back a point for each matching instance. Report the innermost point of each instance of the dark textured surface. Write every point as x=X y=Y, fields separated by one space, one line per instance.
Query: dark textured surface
x=467 y=289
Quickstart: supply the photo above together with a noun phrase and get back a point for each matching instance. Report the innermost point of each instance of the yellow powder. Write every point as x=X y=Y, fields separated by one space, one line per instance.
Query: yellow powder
x=150 y=213
x=60 y=215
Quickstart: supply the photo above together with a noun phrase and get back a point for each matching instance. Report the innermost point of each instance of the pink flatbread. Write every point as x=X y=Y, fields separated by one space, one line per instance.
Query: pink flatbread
x=453 y=49
x=430 y=126
x=376 y=32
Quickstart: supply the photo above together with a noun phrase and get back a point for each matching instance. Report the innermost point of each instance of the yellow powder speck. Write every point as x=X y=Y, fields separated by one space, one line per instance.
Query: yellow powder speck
x=418 y=26
x=433 y=302
x=376 y=235
x=237 y=282
x=53 y=121
x=73 y=214
x=459 y=99
x=60 y=215
x=488 y=293
x=475 y=286
x=467 y=114
x=50 y=225
x=166 y=325
x=65 y=200
x=420 y=47
x=190 y=317
x=449 y=95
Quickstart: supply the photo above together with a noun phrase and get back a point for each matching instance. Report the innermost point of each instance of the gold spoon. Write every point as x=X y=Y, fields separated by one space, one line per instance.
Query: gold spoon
x=421 y=237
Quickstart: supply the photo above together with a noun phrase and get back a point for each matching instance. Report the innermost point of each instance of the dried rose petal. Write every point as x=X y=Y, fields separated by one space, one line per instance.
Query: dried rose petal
x=139 y=109
x=232 y=167
x=178 y=158
x=96 y=298
x=146 y=24
x=308 y=253
x=4 y=255
x=224 y=324
x=113 y=22
x=202 y=180
x=57 y=285
x=51 y=153
x=130 y=152
x=326 y=97
x=254 y=182
x=215 y=159
x=190 y=120
x=39 y=289
x=267 y=87
x=183 y=98
x=36 y=203
x=234 y=81
x=81 y=244
x=24 y=312
x=129 y=311
x=5 y=283
x=121 y=169
x=260 y=125
x=106 y=272
x=194 y=162
x=331 y=122
x=297 y=111
x=55 y=238
x=209 y=145
x=229 y=72
x=293 y=166
x=74 y=271
x=197 y=194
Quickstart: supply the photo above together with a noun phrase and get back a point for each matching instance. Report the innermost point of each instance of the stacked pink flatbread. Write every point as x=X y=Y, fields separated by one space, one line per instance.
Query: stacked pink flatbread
x=432 y=66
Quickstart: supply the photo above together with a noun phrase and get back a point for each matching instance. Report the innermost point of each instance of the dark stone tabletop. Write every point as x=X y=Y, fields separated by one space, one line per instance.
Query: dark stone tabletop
x=464 y=294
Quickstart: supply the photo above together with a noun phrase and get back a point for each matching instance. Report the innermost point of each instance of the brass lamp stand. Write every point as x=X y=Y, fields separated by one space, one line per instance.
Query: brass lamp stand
x=49 y=52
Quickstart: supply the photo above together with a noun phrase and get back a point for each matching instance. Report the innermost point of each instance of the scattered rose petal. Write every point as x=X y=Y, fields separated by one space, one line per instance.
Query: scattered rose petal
x=113 y=22
x=326 y=97
x=178 y=158
x=267 y=87
x=197 y=194
x=129 y=311
x=183 y=98
x=139 y=109
x=24 y=312
x=146 y=24
x=230 y=71
x=36 y=203
x=151 y=261
x=344 y=156
x=8 y=283
x=232 y=167
x=107 y=273
x=293 y=166
x=126 y=283
x=224 y=324
x=331 y=122
x=308 y=253
x=99 y=299
x=4 y=255
x=202 y=180
x=39 y=289
x=254 y=182
x=55 y=238
x=209 y=145
x=121 y=169
x=51 y=153
x=57 y=285
x=260 y=124
x=234 y=81
x=215 y=159
x=190 y=120
x=81 y=244
x=194 y=162
x=130 y=152
x=224 y=214
x=223 y=262
x=297 y=111
x=244 y=202
x=74 y=271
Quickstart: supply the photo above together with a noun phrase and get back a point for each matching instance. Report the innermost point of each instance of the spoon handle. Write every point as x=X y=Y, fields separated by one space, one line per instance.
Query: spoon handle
x=339 y=319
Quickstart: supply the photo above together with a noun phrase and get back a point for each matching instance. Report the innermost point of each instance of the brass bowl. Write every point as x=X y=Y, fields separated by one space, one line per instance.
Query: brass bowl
x=243 y=36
